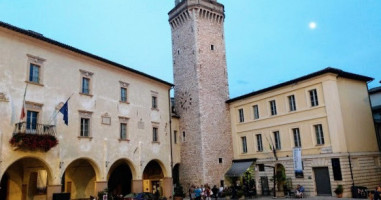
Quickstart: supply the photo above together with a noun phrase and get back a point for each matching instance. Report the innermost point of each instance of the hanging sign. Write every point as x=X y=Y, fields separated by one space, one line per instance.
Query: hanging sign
x=298 y=165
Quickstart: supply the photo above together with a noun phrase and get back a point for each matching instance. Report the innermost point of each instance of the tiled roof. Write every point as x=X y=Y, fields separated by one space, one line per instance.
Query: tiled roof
x=339 y=72
x=70 y=48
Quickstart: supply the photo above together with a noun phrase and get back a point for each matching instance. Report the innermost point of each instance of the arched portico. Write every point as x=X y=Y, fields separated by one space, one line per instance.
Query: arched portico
x=156 y=180
x=120 y=176
x=26 y=178
x=79 y=178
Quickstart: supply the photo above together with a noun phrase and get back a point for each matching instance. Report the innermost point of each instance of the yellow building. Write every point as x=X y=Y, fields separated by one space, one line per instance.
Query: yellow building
x=118 y=132
x=326 y=115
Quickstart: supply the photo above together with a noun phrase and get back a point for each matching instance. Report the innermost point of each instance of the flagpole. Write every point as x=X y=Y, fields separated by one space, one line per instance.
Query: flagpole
x=57 y=111
x=22 y=116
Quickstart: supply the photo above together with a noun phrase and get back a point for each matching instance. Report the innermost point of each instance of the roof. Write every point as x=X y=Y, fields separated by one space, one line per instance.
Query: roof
x=375 y=90
x=339 y=72
x=73 y=49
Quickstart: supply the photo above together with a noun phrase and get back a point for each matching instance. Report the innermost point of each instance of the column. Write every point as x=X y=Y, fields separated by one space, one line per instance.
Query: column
x=99 y=186
x=137 y=186
x=51 y=189
x=167 y=187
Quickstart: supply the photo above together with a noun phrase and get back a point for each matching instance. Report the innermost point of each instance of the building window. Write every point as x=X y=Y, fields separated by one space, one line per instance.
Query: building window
x=244 y=144
x=336 y=169
x=86 y=82
x=123 y=131
x=175 y=137
x=155 y=136
x=31 y=121
x=291 y=102
x=154 y=102
x=314 y=98
x=277 y=140
x=259 y=142
x=256 y=112
x=219 y=160
x=85 y=85
x=34 y=73
x=273 y=107
x=212 y=47
x=34 y=69
x=297 y=141
x=183 y=136
x=123 y=94
x=241 y=115
x=319 y=134
x=261 y=167
x=85 y=126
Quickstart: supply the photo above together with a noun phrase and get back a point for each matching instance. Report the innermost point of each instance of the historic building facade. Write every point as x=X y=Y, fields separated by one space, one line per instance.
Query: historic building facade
x=118 y=132
x=327 y=115
x=201 y=89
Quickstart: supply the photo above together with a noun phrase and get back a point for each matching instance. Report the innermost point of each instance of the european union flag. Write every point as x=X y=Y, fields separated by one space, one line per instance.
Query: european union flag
x=65 y=111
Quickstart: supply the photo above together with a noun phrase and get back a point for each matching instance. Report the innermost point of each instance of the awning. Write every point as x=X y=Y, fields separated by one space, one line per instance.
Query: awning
x=238 y=168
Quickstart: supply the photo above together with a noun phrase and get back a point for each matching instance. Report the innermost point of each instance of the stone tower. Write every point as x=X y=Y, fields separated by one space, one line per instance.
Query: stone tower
x=201 y=89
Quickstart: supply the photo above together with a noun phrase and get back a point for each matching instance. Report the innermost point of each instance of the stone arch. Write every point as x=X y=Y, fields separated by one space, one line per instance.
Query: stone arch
x=176 y=174
x=79 y=178
x=280 y=173
x=154 y=175
x=120 y=177
x=162 y=166
x=27 y=176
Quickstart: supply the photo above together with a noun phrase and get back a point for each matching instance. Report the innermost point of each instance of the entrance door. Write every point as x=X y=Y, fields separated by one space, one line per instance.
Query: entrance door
x=265 y=186
x=323 y=184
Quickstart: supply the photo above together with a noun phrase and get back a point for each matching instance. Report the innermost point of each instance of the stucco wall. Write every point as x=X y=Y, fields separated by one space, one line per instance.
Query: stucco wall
x=61 y=77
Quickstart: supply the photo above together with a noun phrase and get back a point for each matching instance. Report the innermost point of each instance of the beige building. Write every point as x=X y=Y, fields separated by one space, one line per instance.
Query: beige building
x=118 y=132
x=327 y=115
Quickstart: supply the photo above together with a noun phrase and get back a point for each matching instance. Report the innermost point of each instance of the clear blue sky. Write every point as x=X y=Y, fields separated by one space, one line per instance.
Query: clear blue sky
x=267 y=41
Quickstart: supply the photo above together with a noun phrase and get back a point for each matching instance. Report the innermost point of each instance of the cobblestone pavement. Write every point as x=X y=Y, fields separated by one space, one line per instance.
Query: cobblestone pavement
x=314 y=198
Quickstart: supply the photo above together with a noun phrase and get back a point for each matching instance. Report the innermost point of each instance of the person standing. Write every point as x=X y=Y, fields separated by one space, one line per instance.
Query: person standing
x=377 y=193
x=215 y=191
x=197 y=193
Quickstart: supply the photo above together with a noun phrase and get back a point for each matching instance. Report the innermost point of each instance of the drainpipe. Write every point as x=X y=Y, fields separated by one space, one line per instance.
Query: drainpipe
x=170 y=127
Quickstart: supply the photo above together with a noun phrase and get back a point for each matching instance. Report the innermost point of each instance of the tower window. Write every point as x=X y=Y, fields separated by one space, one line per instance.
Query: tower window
x=219 y=160
x=212 y=47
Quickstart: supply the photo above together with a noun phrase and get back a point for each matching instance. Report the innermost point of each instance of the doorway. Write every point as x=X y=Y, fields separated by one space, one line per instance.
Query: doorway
x=323 y=184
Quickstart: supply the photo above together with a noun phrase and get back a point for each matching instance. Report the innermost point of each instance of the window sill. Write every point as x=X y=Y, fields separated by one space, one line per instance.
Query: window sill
x=125 y=102
x=157 y=109
x=84 y=94
x=155 y=142
x=319 y=145
x=124 y=140
x=34 y=83
x=85 y=137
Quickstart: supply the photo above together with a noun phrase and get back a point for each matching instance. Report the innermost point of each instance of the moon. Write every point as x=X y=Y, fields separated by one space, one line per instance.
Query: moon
x=312 y=25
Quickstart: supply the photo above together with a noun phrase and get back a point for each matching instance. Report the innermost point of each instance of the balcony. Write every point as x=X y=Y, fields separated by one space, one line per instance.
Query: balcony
x=33 y=137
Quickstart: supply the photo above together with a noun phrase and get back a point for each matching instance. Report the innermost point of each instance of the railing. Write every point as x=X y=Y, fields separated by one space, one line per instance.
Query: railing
x=39 y=129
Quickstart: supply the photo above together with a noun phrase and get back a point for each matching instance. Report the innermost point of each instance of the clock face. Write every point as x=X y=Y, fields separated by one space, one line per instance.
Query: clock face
x=185 y=100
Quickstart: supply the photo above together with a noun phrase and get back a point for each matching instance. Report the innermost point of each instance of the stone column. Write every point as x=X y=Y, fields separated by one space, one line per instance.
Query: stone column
x=167 y=187
x=51 y=189
x=137 y=186
x=99 y=186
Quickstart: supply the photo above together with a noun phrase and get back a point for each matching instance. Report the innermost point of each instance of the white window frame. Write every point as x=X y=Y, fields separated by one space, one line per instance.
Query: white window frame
x=319 y=133
x=259 y=142
x=86 y=75
x=241 y=115
x=296 y=136
x=244 y=144
x=278 y=144
x=273 y=110
x=256 y=111
x=291 y=103
x=314 y=100
x=39 y=63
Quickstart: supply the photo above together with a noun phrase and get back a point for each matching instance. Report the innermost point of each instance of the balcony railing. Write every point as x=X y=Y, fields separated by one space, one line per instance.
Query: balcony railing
x=39 y=129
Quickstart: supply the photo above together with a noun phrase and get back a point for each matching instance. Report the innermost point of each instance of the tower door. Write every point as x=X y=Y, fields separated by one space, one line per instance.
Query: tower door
x=323 y=184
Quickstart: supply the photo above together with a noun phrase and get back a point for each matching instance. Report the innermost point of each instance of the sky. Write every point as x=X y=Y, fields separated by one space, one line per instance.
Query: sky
x=267 y=41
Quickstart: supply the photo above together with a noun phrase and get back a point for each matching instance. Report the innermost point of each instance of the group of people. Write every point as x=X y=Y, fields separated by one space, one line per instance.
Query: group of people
x=204 y=192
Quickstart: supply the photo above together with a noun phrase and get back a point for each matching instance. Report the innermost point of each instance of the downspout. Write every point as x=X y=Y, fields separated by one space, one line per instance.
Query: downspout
x=170 y=127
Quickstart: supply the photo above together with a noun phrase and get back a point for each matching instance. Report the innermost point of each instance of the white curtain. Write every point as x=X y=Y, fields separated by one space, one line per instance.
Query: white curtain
x=42 y=179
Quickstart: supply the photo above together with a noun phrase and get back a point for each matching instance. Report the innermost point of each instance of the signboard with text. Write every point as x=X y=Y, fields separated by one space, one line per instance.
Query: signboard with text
x=298 y=165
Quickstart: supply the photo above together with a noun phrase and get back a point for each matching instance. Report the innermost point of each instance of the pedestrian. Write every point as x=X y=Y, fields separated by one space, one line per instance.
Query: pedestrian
x=215 y=191
x=191 y=192
x=377 y=193
x=197 y=193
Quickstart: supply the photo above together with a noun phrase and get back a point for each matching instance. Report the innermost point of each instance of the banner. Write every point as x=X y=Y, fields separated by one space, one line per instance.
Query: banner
x=298 y=165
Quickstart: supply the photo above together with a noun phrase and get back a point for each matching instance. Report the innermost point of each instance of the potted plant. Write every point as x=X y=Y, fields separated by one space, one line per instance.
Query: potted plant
x=339 y=191
x=179 y=193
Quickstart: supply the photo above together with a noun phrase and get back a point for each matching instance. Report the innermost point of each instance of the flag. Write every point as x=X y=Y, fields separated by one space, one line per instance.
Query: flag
x=22 y=115
x=65 y=111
